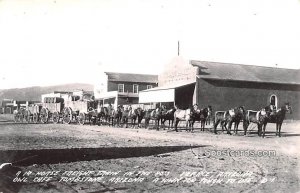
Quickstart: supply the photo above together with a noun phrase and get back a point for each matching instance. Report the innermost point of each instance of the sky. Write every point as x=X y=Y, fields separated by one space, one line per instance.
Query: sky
x=53 y=42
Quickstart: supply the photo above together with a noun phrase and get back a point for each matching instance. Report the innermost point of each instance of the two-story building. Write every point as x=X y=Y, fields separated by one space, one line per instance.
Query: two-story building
x=122 y=88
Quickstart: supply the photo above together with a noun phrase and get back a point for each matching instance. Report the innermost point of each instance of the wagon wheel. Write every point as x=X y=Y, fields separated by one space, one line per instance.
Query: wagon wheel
x=35 y=117
x=44 y=115
x=81 y=118
x=55 y=117
x=67 y=115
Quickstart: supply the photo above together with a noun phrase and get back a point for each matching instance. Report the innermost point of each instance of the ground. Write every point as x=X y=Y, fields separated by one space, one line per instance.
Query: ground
x=76 y=158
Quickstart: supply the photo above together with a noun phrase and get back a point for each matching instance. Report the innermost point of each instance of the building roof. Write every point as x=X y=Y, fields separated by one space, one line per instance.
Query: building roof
x=127 y=77
x=239 y=72
x=169 y=86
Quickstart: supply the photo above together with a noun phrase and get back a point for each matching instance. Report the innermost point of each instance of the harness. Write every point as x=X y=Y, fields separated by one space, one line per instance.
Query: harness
x=261 y=112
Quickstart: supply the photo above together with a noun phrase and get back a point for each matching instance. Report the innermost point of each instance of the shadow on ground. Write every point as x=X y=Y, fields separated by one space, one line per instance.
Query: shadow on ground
x=53 y=156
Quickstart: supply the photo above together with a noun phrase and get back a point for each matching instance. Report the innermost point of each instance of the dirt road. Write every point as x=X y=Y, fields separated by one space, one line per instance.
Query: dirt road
x=138 y=160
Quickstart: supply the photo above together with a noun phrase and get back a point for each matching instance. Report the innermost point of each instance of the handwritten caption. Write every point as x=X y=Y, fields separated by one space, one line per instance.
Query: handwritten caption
x=163 y=177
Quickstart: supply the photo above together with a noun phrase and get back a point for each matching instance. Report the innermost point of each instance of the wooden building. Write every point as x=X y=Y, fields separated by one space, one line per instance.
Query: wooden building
x=225 y=85
x=122 y=88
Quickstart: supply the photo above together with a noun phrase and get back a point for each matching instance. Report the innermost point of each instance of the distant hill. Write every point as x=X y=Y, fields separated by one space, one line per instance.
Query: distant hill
x=34 y=93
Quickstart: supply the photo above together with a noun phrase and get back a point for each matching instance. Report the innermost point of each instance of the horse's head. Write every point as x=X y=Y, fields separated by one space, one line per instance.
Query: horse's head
x=209 y=108
x=288 y=108
x=241 y=109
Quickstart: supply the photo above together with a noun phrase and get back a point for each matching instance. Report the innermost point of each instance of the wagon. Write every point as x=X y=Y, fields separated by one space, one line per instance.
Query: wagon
x=78 y=110
x=51 y=109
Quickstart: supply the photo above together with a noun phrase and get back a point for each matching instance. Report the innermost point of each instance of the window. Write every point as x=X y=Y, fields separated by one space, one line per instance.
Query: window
x=120 y=87
x=273 y=100
x=149 y=86
x=135 y=88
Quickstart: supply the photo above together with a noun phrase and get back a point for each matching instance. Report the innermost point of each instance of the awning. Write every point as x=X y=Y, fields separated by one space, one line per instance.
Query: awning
x=161 y=94
x=114 y=94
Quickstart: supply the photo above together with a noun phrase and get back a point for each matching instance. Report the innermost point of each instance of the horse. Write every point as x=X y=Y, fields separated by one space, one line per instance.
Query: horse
x=276 y=117
x=219 y=118
x=92 y=115
x=199 y=115
x=140 y=113
x=256 y=117
x=235 y=115
x=153 y=114
x=129 y=113
x=182 y=115
x=168 y=116
x=209 y=115
x=19 y=114
x=102 y=115
x=114 y=116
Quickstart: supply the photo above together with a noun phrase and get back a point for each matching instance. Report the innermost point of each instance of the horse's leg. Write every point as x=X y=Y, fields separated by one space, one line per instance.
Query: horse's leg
x=279 y=129
x=236 y=125
x=176 y=124
x=259 y=129
x=192 y=126
x=133 y=120
x=245 y=126
x=215 y=126
x=163 y=123
x=187 y=125
x=229 y=128
x=223 y=125
x=146 y=123
x=264 y=129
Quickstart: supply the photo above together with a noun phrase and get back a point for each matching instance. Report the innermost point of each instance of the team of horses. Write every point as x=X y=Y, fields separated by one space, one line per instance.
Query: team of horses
x=125 y=116
x=260 y=118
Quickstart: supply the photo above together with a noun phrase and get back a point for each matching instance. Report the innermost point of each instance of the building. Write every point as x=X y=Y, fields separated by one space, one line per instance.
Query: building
x=176 y=85
x=7 y=106
x=225 y=85
x=122 y=88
